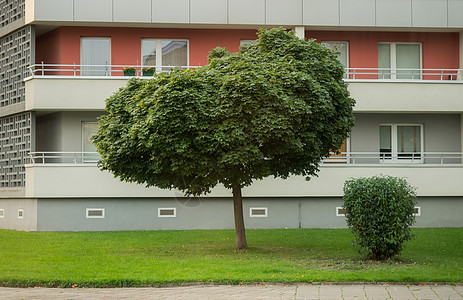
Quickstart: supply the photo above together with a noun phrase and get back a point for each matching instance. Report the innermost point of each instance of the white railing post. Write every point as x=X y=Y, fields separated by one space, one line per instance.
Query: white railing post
x=43 y=73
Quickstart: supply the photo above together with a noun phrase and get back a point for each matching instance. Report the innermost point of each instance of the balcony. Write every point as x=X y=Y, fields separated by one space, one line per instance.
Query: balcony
x=74 y=174
x=77 y=87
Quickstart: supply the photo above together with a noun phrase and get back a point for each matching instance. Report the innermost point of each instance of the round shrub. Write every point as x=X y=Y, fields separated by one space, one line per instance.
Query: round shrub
x=379 y=210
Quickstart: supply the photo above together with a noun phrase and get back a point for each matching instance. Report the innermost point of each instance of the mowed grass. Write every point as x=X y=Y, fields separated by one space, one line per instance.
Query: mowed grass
x=140 y=258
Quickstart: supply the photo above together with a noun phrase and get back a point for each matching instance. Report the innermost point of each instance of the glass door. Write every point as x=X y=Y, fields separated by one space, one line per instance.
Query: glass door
x=95 y=56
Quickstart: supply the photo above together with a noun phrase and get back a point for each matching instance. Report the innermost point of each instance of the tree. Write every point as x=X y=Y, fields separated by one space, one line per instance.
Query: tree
x=379 y=212
x=276 y=108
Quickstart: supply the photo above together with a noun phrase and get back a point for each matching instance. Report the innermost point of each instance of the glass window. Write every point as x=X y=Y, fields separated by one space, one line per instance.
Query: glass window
x=148 y=49
x=402 y=60
x=95 y=56
x=401 y=142
x=89 y=129
x=341 y=48
x=164 y=54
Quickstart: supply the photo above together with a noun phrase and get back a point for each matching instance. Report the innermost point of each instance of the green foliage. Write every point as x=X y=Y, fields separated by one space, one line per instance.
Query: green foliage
x=275 y=108
x=379 y=211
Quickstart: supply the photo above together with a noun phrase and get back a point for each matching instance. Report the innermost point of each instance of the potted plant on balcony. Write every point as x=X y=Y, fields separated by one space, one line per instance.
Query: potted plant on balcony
x=148 y=71
x=129 y=71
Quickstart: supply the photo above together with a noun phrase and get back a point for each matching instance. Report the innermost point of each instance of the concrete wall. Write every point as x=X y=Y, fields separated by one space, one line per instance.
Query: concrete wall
x=87 y=181
x=62 y=132
x=217 y=213
x=210 y=213
x=368 y=13
x=11 y=221
x=442 y=132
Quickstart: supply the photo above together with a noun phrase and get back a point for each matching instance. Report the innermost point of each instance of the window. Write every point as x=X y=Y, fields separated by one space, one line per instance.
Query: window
x=258 y=212
x=167 y=212
x=246 y=42
x=340 y=212
x=342 y=48
x=401 y=142
x=164 y=54
x=20 y=213
x=2 y=212
x=89 y=154
x=95 y=213
x=417 y=211
x=95 y=56
x=400 y=60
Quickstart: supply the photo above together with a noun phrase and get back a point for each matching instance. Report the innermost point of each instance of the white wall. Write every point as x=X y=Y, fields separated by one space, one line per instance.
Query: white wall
x=368 y=13
x=60 y=181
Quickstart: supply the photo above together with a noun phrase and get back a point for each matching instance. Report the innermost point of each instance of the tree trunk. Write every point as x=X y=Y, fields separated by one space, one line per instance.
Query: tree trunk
x=239 y=219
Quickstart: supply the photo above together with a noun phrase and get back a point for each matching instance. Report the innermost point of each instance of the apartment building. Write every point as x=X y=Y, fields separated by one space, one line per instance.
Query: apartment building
x=60 y=60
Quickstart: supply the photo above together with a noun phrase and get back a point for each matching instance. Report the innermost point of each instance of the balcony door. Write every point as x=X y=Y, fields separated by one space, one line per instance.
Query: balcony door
x=89 y=154
x=95 y=56
x=401 y=143
x=401 y=60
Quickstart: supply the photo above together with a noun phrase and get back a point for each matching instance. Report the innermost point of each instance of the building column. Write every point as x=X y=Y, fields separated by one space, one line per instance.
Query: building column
x=300 y=33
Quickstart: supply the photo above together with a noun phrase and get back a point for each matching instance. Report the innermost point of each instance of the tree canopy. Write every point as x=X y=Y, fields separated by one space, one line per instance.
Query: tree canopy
x=275 y=108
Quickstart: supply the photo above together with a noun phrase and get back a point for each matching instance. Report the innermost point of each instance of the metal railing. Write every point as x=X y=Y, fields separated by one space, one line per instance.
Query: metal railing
x=42 y=158
x=343 y=158
x=403 y=74
x=42 y=69
x=400 y=158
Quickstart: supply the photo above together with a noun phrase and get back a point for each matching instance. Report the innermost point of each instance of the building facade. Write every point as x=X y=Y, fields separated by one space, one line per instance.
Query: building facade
x=60 y=60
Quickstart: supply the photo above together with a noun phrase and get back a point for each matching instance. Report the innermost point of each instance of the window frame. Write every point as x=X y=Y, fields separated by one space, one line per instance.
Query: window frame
x=159 y=52
x=324 y=42
x=393 y=59
x=418 y=211
x=394 y=146
x=251 y=215
x=87 y=157
x=174 y=209
x=20 y=213
x=103 y=213
x=338 y=214
x=108 y=68
x=2 y=213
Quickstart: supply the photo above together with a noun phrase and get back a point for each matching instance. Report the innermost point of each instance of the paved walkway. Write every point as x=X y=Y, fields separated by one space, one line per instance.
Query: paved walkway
x=301 y=291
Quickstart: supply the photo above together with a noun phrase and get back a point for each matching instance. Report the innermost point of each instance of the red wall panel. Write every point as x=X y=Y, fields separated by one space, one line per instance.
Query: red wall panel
x=439 y=50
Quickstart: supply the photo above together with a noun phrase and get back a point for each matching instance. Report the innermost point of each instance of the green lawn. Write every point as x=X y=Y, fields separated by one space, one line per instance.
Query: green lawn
x=157 y=257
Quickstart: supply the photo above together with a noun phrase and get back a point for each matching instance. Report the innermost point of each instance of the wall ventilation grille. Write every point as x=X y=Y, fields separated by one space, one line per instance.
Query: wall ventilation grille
x=167 y=212
x=256 y=212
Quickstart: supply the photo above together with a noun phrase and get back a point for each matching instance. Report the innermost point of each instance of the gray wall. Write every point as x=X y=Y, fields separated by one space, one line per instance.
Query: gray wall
x=442 y=132
x=369 y=13
x=62 y=131
x=11 y=220
x=141 y=214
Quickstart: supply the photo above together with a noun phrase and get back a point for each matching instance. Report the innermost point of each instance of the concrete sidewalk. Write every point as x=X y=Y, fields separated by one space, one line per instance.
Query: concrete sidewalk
x=300 y=291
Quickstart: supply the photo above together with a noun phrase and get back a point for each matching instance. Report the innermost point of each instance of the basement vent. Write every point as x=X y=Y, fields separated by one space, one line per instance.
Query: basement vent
x=2 y=213
x=20 y=213
x=340 y=212
x=258 y=212
x=417 y=211
x=94 y=213
x=167 y=212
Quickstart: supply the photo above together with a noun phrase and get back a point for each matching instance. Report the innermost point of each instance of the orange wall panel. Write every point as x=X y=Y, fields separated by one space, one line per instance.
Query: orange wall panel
x=126 y=42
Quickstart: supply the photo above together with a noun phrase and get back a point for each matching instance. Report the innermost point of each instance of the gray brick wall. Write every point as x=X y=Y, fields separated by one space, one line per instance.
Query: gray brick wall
x=10 y=11
x=15 y=143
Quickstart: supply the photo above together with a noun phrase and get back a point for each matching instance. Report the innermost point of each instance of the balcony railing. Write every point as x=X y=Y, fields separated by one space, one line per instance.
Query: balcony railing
x=403 y=74
x=74 y=70
x=344 y=158
x=106 y=71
